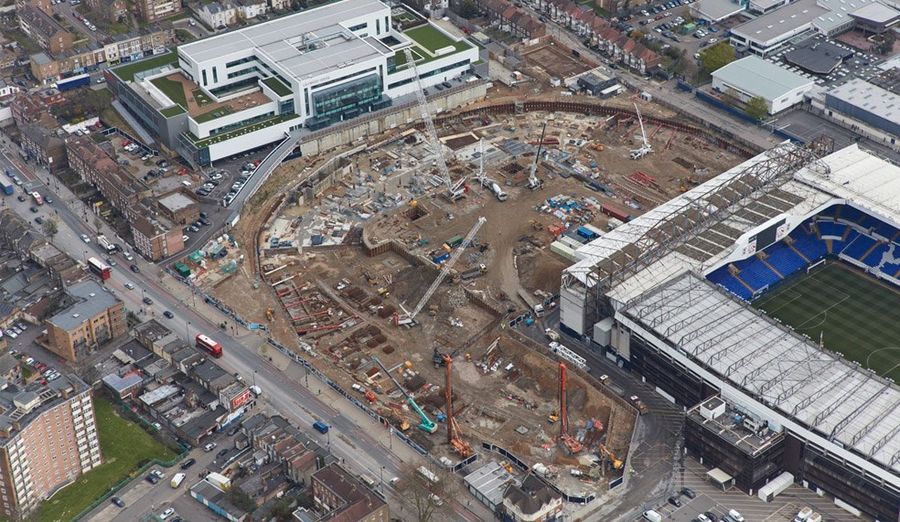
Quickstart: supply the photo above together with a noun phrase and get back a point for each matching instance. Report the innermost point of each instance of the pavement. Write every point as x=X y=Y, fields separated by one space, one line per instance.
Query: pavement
x=359 y=441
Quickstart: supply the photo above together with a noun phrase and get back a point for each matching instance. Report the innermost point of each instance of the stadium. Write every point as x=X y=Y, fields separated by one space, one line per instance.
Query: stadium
x=775 y=287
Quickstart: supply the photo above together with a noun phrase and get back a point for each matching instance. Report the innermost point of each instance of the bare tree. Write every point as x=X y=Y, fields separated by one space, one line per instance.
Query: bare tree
x=426 y=495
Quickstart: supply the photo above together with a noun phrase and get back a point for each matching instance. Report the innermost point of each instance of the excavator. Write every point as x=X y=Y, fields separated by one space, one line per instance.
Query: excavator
x=425 y=423
x=606 y=452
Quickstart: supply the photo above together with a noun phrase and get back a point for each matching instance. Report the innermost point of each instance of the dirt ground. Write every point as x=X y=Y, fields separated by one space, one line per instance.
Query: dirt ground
x=555 y=62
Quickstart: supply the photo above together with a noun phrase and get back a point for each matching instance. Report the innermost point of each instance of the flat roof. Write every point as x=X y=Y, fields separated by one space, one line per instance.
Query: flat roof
x=278 y=39
x=817 y=56
x=772 y=25
x=91 y=299
x=870 y=97
x=717 y=10
x=766 y=359
x=876 y=12
x=838 y=13
x=761 y=78
x=490 y=481
x=176 y=201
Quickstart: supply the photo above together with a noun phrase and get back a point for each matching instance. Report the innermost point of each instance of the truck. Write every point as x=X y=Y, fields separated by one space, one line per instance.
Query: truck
x=321 y=427
x=177 y=480
x=73 y=82
x=498 y=192
x=453 y=242
x=615 y=212
x=478 y=271
x=106 y=244
x=804 y=514
x=7 y=187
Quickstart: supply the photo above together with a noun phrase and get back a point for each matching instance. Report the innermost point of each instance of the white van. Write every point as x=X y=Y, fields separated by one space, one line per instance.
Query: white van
x=804 y=514
x=652 y=516
x=177 y=480
x=736 y=515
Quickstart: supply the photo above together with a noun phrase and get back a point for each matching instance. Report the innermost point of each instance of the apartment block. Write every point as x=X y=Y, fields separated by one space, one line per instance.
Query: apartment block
x=46 y=31
x=94 y=317
x=48 y=438
x=45 y=147
x=153 y=10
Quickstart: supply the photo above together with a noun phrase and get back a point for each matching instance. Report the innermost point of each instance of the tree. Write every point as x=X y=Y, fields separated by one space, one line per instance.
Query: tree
x=731 y=97
x=424 y=496
x=717 y=56
x=468 y=9
x=50 y=228
x=756 y=108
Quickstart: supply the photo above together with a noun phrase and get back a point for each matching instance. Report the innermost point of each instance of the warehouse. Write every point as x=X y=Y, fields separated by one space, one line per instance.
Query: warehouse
x=752 y=77
x=868 y=104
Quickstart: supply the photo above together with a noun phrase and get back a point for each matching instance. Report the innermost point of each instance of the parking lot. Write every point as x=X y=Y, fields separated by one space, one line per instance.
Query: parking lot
x=709 y=498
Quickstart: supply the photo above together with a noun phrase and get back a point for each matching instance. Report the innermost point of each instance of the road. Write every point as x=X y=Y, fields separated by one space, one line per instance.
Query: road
x=359 y=441
x=67 y=11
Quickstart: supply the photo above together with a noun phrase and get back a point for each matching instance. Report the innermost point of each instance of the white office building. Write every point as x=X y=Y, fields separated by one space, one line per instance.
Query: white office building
x=247 y=88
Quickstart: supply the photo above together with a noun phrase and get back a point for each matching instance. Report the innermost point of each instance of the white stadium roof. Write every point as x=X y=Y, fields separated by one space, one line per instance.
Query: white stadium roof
x=769 y=360
x=848 y=174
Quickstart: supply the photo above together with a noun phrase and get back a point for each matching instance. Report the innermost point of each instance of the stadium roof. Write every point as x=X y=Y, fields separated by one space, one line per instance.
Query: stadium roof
x=761 y=78
x=281 y=38
x=764 y=358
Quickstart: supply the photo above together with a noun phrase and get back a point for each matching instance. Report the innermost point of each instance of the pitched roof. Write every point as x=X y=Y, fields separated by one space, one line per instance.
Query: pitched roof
x=531 y=496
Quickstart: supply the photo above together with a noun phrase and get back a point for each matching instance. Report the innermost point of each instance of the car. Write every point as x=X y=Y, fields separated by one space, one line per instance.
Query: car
x=674 y=501
x=48 y=200
x=711 y=516
x=21 y=197
x=204 y=215
x=117 y=501
x=110 y=261
x=194 y=228
x=736 y=515
x=205 y=222
x=209 y=447
x=134 y=268
x=153 y=479
x=701 y=518
x=85 y=238
x=39 y=220
x=34 y=209
x=147 y=301
x=11 y=333
x=158 y=473
x=167 y=513
x=129 y=286
x=188 y=463
x=222 y=452
x=28 y=360
x=185 y=238
x=233 y=431
x=689 y=493
x=128 y=256
x=22 y=326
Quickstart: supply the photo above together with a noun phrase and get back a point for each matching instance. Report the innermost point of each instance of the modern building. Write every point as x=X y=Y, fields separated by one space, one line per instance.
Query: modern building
x=817 y=56
x=248 y=88
x=681 y=317
x=876 y=18
x=488 y=484
x=344 y=497
x=48 y=438
x=752 y=77
x=867 y=105
x=716 y=10
x=153 y=10
x=94 y=317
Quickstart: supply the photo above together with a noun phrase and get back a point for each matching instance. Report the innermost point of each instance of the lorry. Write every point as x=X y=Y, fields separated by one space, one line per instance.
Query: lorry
x=615 y=212
x=106 y=244
x=478 y=271
x=498 y=192
x=7 y=187
x=804 y=514
x=453 y=242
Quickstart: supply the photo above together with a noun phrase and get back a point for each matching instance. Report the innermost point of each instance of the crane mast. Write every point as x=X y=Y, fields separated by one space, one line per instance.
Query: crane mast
x=425 y=423
x=446 y=269
x=453 y=433
x=454 y=190
x=533 y=182
x=645 y=148
x=566 y=440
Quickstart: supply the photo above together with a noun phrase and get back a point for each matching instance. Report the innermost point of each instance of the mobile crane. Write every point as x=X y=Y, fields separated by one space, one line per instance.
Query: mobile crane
x=534 y=182
x=425 y=423
x=645 y=148
x=453 y=434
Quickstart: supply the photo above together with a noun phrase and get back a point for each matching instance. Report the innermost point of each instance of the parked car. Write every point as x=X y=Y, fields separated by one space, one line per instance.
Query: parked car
x=688 y=492
x=675 y=501
x=167 y=513
x=209 y=447
x=153 y=479
x=39 y=220
x=188 y=463
x=117 y=501
x=222 y=452
x=168 y=314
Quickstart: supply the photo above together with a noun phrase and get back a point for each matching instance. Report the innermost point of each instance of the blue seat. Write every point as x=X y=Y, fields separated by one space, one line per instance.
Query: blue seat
x=851 y=214
x=723 y=277
x=874 y=257
x=830 y=228
x=884 y=229
x=858 y=246
x=891 y=269
x=784 y=259
x=755 y=273
x=809 y=245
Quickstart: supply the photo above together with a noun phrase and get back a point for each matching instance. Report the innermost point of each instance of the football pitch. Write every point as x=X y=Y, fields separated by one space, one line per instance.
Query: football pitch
x=852 y=312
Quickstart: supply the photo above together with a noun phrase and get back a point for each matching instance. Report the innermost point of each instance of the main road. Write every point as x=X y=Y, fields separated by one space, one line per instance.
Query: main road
x=361 y=443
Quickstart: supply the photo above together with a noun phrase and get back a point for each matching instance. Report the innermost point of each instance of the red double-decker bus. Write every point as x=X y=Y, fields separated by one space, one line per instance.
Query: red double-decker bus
x=100 y=268
x=207 y=344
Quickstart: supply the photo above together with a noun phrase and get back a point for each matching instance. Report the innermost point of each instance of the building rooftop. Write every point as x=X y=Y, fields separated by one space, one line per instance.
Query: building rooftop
x=727 y=422
x=869 y=96
x=717 y=10
x=120 y=383
x=176 y=201
x=817 y=56
x=358 y=501
x=21 y=405
x=490 y=481
x=305 y=44
x=770 y=27
x=876 y=12
x=761 y=78
x=530 y=496
x=91 y=299
x=838 y=13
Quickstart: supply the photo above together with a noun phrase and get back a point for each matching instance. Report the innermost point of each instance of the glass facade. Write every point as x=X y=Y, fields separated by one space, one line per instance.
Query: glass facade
x=351 y=97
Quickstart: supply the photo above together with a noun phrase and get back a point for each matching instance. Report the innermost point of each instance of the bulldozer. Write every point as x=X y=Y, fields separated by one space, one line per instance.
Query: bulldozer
x=270 y=314
x=553 y=417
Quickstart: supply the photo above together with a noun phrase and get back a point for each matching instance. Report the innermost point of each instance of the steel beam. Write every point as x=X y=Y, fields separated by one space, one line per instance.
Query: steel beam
x=858 y=436
x=843 y=423
x=828 y=410
x=818 y=392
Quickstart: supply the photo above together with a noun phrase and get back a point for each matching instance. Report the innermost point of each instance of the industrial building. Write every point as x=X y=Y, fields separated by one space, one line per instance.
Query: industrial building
x=869 y=105
x=245 y=89
x=752 y=77
x=670 y=293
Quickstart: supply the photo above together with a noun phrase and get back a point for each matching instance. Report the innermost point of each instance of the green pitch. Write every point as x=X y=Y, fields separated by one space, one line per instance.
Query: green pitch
x=852 y=312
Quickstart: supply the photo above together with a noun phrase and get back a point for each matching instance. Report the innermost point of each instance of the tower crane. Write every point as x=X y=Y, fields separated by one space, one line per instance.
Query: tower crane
x=645 y=148
x=446 y=269
x=533 y=182
x=454 y=190
x=566 y=440
x=425 y=423
x=453 y=434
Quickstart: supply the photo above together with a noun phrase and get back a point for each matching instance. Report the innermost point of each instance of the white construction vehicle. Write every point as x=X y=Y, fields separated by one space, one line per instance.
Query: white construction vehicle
x=487 y=182
x=455 y=190
x=645 y=148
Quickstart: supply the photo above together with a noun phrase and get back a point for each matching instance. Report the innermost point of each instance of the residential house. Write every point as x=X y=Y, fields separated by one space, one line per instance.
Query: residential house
x=532 y=501
x=249 y=9
x=342 y=497
x=216 y=14
x=153 y=10
x=121 y=189
x=280 y=5
x=44 y=146
x=43 y=29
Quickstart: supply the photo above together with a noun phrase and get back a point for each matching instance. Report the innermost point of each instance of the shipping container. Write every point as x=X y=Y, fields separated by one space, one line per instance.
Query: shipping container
x=586 y=233
x=74 y=82
x=617 y=213
x=453 y=242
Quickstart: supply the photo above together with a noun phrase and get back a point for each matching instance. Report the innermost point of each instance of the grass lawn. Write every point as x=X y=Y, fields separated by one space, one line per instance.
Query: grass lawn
x=127 y=71
x=174 y=90
x=213 y=114
x=430 y=38
x=276 y=85
x=174 y=110
x=125 y=447
x=205 y=142
x=849 y=309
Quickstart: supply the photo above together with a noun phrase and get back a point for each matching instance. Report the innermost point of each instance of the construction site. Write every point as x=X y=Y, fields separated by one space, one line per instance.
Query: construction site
x=397 y=267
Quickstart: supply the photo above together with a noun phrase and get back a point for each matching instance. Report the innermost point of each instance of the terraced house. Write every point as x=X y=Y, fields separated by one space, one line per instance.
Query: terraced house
x=248 y=88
